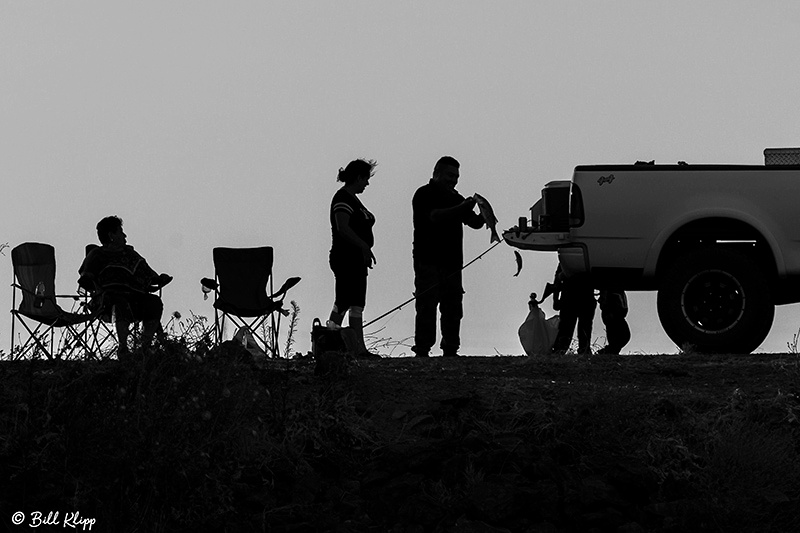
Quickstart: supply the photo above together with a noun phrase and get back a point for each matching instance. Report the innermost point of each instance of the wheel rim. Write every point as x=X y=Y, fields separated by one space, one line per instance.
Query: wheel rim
x=713 y=301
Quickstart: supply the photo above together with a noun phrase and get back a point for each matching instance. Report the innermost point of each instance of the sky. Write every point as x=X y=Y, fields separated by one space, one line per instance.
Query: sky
x=206 y=124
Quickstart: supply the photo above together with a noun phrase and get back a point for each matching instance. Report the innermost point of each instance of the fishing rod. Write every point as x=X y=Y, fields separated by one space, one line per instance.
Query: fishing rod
x=389 y=312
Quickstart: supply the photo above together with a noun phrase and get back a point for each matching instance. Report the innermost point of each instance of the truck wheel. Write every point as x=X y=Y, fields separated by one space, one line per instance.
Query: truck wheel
x=715 y=301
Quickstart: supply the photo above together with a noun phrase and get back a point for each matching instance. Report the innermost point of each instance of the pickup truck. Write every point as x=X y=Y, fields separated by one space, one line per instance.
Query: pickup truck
x=720 y=243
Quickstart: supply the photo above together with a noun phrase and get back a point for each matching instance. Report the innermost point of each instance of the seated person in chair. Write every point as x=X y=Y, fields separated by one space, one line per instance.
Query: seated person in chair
x=121 y=280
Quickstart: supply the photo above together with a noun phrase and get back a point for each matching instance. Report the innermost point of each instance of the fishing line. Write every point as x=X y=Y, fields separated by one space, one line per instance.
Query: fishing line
x=397 y=308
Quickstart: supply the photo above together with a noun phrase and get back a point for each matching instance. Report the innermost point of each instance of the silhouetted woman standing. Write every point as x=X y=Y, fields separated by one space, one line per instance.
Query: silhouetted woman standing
x=351 y=249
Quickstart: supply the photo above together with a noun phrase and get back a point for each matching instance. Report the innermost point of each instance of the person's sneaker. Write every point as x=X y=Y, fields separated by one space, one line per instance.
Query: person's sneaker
x=450 y=353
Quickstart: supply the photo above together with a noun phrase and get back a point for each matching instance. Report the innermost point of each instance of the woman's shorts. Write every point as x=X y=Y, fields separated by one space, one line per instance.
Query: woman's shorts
x=351 y=285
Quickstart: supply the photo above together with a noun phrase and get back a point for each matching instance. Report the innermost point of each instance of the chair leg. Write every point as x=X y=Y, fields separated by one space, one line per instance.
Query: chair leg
x=102 y=337
x=218 y=325
x=275 y=329
x=123 y=330
x=34 y=341
x=73 y=339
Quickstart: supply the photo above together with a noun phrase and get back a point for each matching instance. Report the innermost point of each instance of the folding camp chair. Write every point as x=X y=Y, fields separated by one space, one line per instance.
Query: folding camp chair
x=39 y=313
x=240 y=295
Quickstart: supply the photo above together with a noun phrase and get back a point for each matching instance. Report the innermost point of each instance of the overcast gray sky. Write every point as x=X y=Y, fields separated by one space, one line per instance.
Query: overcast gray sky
x=208 y=124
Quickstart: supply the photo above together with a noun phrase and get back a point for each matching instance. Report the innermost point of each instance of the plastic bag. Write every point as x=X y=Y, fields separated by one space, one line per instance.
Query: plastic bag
x=248 y=342
x=537 y=334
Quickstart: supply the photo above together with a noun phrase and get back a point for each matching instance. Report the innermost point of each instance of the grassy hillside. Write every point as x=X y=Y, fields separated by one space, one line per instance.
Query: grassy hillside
x=208 y=440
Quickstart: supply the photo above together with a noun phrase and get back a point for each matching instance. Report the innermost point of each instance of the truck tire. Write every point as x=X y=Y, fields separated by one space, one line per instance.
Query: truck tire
x=715 y=301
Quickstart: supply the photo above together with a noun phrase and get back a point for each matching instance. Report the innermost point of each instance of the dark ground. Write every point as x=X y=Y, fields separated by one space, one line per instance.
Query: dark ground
x=622 y=444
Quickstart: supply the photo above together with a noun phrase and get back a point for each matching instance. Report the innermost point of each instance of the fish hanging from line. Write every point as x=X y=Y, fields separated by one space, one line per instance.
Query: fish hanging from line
x=488 y=216
x=518 y=257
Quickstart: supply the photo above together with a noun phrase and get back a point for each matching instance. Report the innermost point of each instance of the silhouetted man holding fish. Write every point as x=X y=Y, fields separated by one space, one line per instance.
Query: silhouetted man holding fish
x=440 y=213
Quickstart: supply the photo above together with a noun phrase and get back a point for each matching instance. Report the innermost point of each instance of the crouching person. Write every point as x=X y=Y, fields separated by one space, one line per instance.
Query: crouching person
x=122 y=284
x=613 y=310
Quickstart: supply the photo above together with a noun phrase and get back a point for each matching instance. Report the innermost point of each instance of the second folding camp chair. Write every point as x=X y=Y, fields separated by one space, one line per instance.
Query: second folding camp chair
x=49 y=330
x=240 y=295
x=102 y=330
